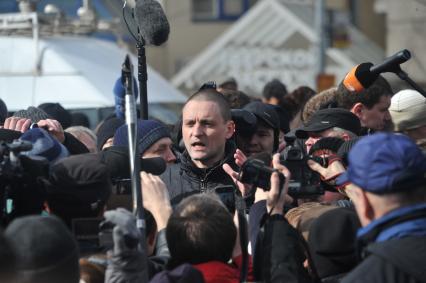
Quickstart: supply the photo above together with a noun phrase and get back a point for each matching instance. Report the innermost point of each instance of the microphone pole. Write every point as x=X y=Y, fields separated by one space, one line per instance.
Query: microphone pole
x=404 y=76
x=142 y=78
x=393 y=64
x=134 y=156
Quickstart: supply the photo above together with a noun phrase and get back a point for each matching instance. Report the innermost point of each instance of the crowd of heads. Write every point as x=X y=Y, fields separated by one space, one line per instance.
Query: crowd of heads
x=363 y=147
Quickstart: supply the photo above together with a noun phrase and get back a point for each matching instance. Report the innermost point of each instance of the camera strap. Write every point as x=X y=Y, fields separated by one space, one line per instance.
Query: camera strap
x=242 y=227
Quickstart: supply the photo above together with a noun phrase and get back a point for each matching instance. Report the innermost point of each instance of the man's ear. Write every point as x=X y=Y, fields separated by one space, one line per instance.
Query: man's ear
x=357 y=109
x=230 y=129
x=363 y=207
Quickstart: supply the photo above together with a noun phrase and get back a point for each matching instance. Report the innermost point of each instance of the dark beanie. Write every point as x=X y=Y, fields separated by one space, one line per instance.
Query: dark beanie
x=3 y=111
x=148 y=132
x=107 y=130
x=332 y=238
x=57 y=112
x=45 y=249
x=33 y=113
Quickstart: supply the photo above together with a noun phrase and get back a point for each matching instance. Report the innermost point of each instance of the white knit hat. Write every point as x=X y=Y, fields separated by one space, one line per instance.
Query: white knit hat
x=408 y=110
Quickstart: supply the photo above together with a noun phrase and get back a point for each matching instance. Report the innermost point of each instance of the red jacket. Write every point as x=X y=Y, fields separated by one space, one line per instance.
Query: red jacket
x=219 y=272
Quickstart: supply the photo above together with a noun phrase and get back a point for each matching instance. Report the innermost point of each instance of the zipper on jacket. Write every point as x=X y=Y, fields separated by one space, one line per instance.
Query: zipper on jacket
x=203 y=186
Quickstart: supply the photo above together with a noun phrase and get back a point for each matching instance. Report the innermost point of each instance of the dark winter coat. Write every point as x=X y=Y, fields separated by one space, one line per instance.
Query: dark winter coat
x=395 y=248
x=184 y=178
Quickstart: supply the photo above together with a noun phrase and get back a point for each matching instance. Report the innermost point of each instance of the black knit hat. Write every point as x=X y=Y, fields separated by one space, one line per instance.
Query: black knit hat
x=148 y=132
x=33 y=113
x=45 y=249
x=332 y=238
x=107 y=130
x=57 y=112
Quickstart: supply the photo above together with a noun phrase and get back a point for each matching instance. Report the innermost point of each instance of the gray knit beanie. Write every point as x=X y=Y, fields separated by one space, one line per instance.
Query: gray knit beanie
x=33 y=113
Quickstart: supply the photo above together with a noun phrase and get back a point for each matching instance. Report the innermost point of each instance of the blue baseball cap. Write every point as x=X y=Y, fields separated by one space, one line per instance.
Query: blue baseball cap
x=385 y=163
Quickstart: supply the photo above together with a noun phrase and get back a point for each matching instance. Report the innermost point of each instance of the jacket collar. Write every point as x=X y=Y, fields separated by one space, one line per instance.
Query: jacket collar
x=399 y=223
x=188 y=165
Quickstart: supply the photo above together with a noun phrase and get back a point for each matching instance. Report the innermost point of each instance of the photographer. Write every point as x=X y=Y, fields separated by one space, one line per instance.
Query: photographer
x=386 y=182
x=278 y=256
x=330 y=122
x=265 y=137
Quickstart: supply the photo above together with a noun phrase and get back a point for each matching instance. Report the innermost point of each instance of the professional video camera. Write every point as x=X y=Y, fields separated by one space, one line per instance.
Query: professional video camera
x=21 y=185
x=304 y=182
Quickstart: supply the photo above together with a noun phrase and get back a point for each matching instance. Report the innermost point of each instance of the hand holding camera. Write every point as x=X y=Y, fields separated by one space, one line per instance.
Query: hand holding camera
x=54 y=128
x=330 y=173
x=277 y=195
x=17 y=124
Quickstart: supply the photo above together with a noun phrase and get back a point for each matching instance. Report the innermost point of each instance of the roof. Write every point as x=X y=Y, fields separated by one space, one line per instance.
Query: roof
x=78 y=72
x=274 y=39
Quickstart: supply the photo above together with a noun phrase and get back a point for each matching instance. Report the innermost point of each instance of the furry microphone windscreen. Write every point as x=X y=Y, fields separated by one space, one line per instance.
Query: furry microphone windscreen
x=360 y=77
x=152 y=22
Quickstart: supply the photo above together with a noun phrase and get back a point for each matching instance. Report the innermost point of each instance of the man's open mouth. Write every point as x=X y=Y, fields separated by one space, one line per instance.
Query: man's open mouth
x=198 y=144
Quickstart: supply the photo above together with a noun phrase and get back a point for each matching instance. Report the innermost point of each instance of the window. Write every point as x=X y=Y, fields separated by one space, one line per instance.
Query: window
x=213 y=10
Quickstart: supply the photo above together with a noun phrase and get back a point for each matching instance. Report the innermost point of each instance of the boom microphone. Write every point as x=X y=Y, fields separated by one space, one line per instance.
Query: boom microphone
x=391 y=64
x=364 y=75
x=152 y=22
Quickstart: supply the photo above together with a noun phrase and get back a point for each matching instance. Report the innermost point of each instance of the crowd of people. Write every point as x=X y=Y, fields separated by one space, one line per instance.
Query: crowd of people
x=290 y=187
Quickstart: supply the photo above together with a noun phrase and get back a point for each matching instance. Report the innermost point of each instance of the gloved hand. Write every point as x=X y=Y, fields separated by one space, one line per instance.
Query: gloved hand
x=125 y=234
x=119 y=93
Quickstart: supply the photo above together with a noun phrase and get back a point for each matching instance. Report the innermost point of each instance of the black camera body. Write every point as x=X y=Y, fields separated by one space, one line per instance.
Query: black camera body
x=21 y=186
x=304 y=182
x=255 y=172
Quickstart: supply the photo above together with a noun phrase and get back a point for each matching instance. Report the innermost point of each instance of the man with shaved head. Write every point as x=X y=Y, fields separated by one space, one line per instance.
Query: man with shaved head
x=206 y=128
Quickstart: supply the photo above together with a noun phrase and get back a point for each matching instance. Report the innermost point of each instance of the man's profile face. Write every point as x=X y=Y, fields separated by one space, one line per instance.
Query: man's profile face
x=378 y=116
x=261 y=141
x=205 y=132
x=161 y=148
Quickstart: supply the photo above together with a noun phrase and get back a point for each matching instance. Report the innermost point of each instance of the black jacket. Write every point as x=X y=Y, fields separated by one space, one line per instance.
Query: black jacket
x=400 y=259
x=277 y=252
x=184 y=178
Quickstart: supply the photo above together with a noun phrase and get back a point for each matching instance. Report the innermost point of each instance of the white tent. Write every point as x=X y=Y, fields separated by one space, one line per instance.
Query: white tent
x=274 y=39
x=78 y=72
